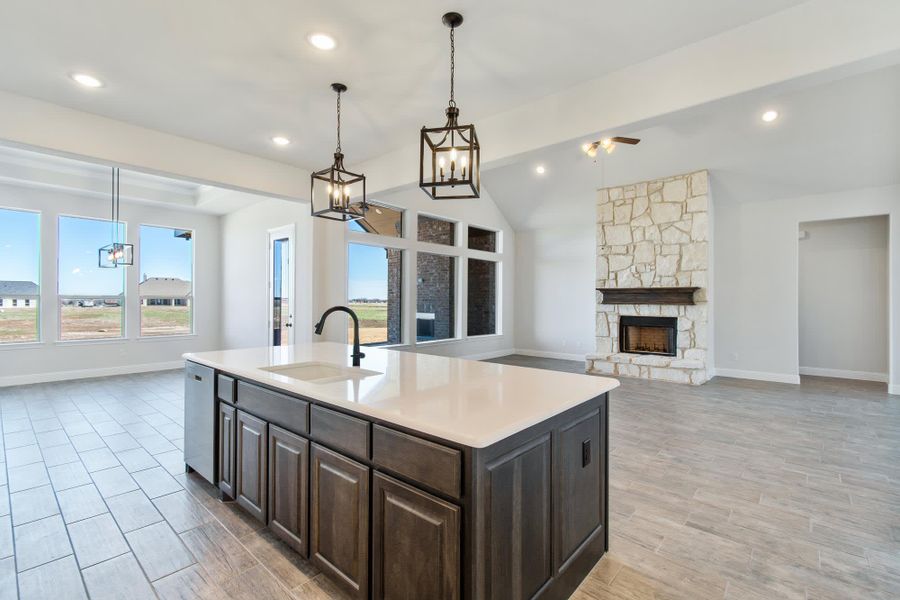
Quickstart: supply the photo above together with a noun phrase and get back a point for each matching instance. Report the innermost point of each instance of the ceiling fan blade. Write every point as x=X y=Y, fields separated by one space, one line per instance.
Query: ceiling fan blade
x=626 y=140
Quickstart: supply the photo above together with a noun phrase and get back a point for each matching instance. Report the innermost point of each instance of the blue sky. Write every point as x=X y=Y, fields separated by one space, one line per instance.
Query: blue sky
x=367 y=272
x=19 y=245
x=162 y=254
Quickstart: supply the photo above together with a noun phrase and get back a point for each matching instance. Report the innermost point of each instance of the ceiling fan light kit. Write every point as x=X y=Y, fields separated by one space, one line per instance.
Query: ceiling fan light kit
x=608 y=144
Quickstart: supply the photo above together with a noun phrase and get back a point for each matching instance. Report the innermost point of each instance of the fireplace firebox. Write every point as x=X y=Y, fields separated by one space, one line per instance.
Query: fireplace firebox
x=648 y=335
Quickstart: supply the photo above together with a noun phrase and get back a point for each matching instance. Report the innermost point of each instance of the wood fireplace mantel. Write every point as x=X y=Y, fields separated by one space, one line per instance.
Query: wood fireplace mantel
x=649 y=295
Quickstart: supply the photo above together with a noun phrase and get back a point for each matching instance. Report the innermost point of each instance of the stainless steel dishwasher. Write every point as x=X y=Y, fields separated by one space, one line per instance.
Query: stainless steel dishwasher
x=200 y=419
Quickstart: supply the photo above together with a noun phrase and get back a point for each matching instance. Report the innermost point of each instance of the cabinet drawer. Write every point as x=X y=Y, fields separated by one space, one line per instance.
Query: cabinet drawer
x=340 y=431
x=433 y=465
x=280 y=409
x=225 y=388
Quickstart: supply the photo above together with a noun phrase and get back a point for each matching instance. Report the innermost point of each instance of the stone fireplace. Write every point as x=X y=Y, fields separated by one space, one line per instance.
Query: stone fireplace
x=653 y=269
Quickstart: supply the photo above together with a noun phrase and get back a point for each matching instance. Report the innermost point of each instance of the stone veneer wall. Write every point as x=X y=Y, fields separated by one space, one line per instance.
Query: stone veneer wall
x=654 y=234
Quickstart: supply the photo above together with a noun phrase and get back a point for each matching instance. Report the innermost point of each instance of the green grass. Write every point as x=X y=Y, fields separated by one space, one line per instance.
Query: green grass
x=372 y=323
x=18 y=324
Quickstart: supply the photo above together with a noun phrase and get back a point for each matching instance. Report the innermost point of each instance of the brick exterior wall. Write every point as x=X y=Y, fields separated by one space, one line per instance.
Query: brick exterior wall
x=395 y=271
x=435 y=282
x=436 y=231
x=482 y=295
x=482 y=239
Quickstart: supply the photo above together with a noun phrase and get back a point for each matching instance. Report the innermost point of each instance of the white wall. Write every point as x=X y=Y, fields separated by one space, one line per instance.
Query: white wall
x=844 y=298
x=555 y=297
x=757 y=275
x=51 y=359
x=244 y=271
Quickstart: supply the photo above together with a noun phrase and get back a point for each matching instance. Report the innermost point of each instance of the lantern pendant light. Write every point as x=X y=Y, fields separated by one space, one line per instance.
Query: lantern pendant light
x=449 y=156
x=332 y=190
x=116 y=252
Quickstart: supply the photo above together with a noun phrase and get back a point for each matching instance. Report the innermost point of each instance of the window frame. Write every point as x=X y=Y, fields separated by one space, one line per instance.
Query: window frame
x=139 y=270
x=498 y=304
x=404 y=258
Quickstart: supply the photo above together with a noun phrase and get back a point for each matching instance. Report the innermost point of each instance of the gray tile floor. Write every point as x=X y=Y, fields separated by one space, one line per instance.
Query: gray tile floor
x=94 y=502
x=734 y=490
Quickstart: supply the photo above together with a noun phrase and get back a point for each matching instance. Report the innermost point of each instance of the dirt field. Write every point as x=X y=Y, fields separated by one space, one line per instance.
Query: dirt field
x=96 y=322
x=18 y=324
x=165 y=320
x=372 y=323
x=90 y=322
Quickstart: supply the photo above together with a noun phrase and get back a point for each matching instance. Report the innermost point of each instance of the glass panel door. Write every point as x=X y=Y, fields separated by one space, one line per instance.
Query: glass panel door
x=281 y=289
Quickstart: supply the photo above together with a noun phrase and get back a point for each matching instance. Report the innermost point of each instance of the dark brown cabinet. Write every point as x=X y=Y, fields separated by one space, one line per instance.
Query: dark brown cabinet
x=415 y=543
x=579 y=463
x=394 y=514
x=339 y=519
x=289 y=488
x=225 y=455
x=519 y=526
x=251 y=465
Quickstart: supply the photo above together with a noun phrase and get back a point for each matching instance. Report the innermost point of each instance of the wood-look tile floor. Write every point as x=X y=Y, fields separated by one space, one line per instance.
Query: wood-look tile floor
x=729 y=490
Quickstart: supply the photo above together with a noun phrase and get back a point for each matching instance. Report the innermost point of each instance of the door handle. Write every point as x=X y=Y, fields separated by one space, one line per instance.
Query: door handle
x=288 y=324
x=198 y=378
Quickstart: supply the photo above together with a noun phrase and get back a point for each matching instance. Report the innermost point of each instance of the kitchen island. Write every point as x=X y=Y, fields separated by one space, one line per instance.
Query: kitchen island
x=412 y=476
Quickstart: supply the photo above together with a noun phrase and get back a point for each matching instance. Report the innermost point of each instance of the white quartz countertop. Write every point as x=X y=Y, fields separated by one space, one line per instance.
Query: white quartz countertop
x=465 y=401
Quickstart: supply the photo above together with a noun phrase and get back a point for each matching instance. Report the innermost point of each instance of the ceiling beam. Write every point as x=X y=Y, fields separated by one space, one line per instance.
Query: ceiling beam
x=39 y=125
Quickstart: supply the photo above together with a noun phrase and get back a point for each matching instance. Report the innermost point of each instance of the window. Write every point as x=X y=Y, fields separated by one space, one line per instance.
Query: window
x=380 y=220
x=437 y=231
x=20 y=250
x=482 y=239
x=482 y=298
x=435 y=297
x=374 y=277
x=91 y=299
x=166 y=288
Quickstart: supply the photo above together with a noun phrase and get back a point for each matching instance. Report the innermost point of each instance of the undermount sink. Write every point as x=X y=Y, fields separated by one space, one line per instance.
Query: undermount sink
x=319 y=372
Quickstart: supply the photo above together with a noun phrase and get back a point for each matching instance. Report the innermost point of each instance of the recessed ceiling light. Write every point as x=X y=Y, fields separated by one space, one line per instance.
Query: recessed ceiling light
x=322 y=41
x=279 y=140
x=769 y=116
x=539 y=169
x=86 y=80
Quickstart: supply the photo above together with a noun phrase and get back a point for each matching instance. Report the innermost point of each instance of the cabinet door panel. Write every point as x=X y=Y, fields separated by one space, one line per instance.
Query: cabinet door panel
x=415 y=541
x=289 y=487
x=519 y=522
x=226 y=449
x=578 y=487
x=339 y=519
x=251 y=466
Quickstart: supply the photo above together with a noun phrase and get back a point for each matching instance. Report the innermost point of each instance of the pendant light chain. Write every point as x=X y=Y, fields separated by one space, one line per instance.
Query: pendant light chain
x=338 y=149
x=452 y=64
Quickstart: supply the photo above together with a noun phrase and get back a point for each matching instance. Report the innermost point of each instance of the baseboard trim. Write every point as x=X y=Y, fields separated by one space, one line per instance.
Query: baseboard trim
x=844 y=374
x=759 y=375
x=487 y=355
x=546 y=354
x=88 y=373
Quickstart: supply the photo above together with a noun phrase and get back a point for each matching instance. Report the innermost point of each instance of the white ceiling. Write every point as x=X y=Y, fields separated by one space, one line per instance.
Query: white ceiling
x=234 y=73
x=831 y=136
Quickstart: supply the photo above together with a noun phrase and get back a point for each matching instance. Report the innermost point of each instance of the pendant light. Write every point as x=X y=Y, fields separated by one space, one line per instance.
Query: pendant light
x=332 y=190
x=449 y=156
x=117 y=252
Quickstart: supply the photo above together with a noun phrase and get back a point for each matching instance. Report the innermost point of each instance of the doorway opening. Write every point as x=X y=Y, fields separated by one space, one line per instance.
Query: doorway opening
x=844 y=298
x=281 y=286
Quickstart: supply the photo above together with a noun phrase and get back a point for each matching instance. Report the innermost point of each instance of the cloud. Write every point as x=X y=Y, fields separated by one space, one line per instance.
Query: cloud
x=76 y=271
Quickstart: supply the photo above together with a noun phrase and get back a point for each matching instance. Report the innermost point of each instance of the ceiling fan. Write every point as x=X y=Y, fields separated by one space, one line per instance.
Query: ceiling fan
x=608 y=144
